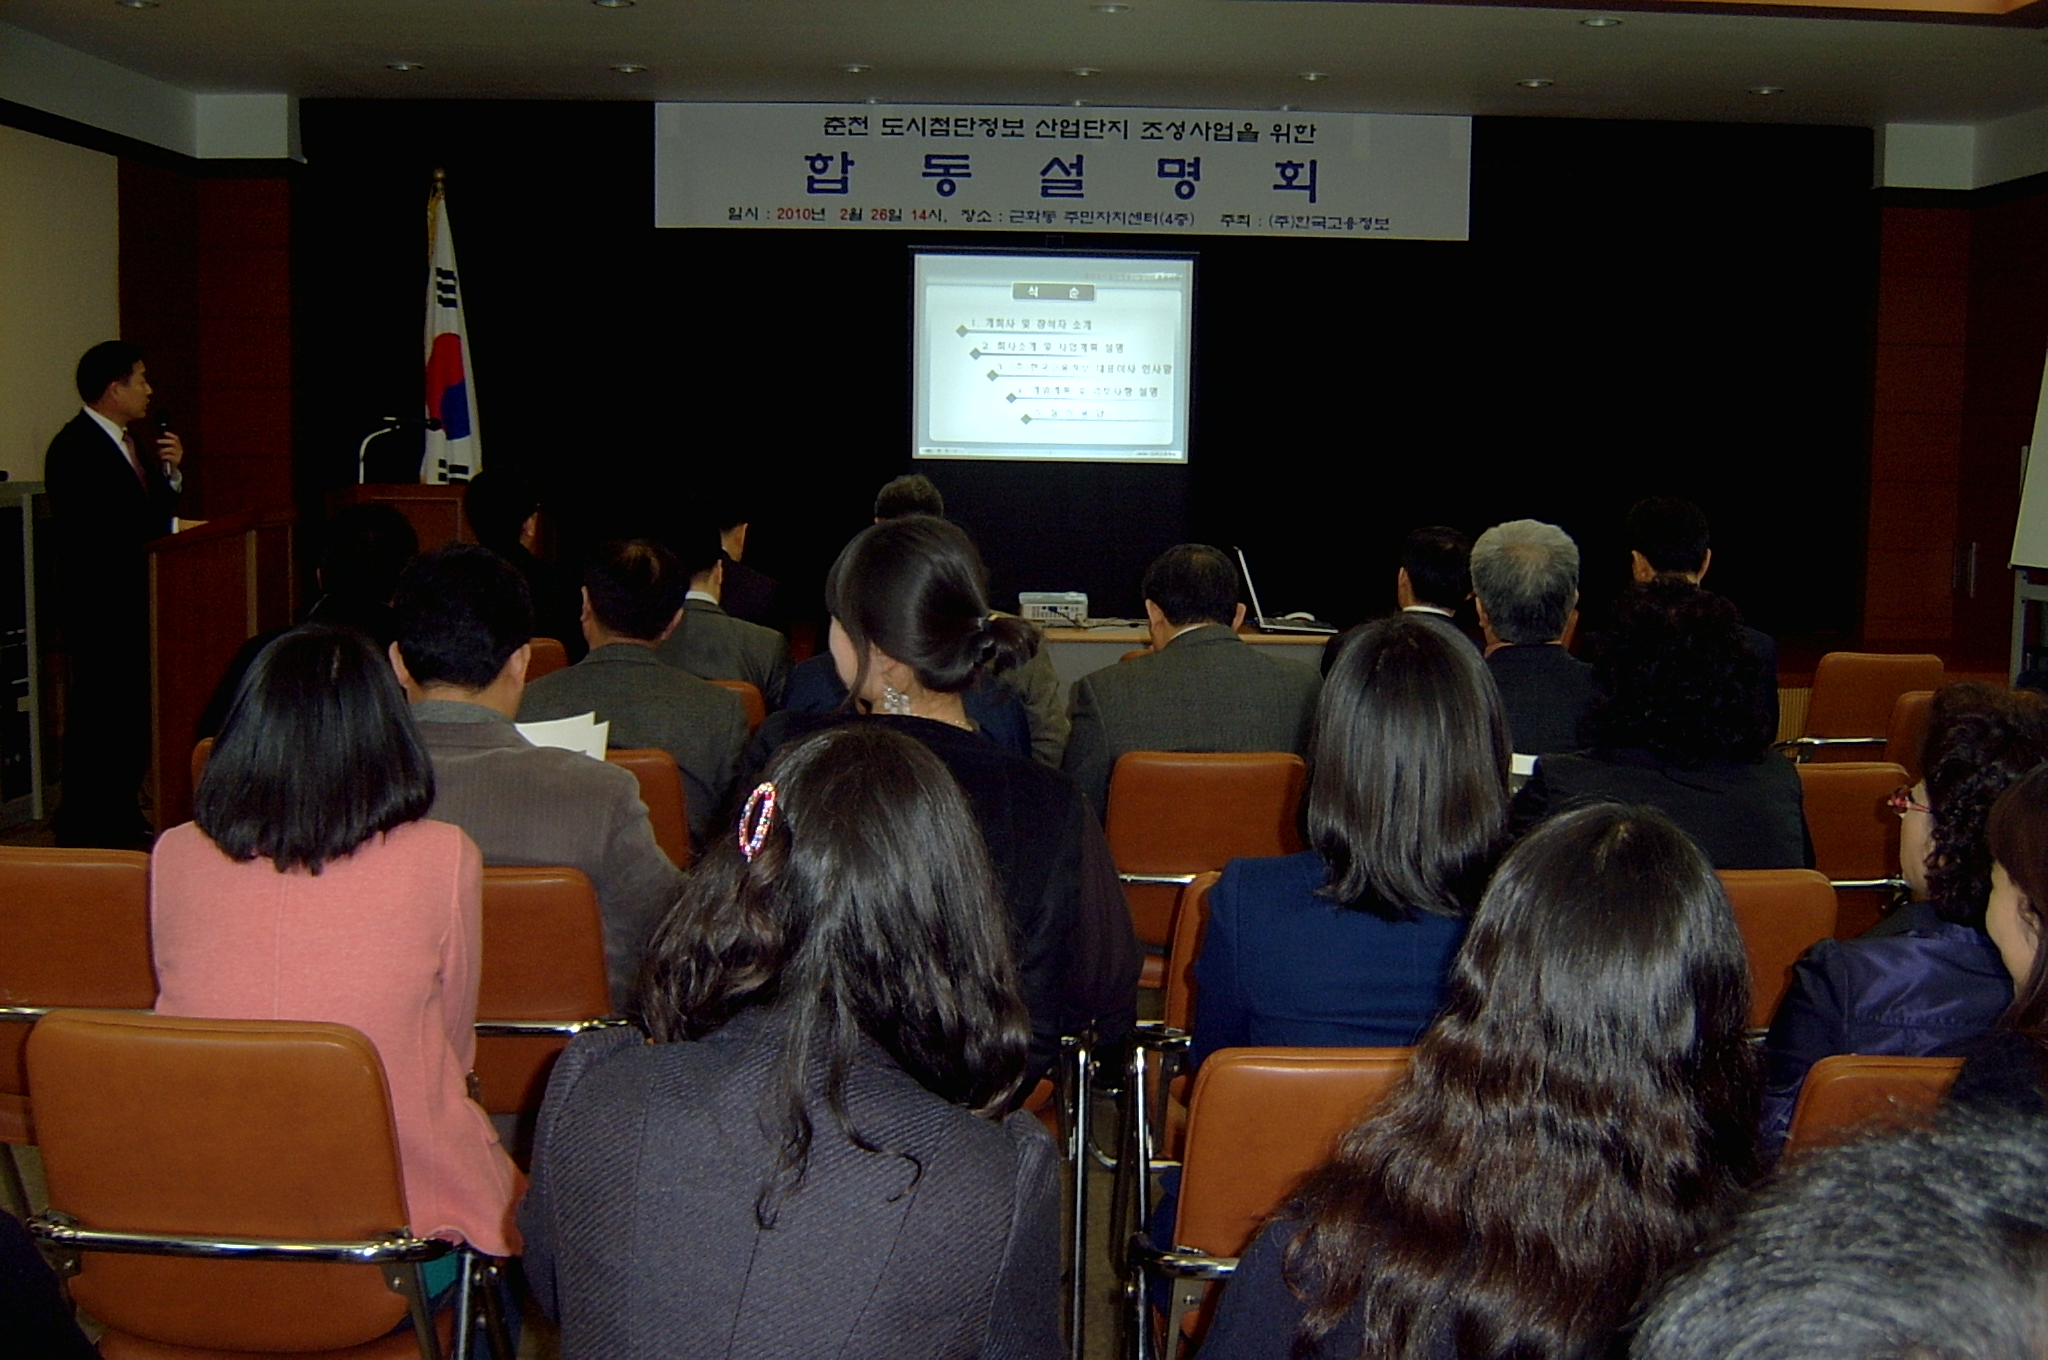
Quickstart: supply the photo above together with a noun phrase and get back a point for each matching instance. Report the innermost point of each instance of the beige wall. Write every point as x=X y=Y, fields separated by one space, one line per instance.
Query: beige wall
x=60 y=287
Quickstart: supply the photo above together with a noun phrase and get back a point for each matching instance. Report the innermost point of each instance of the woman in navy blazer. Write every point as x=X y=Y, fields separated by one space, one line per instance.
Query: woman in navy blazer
x=1347 y=944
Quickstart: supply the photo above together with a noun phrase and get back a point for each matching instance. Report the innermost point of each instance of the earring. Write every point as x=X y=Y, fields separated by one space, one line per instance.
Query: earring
x=894 y=700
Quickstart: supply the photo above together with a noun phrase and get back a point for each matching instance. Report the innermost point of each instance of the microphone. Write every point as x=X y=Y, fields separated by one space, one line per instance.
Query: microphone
x=409 y=422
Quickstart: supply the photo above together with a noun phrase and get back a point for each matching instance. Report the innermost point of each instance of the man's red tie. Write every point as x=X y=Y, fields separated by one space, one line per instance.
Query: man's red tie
x=135 y=459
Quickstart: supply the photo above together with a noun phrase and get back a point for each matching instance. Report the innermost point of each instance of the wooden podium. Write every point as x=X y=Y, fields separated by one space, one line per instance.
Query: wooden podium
x=434 y=511
x=211 y=589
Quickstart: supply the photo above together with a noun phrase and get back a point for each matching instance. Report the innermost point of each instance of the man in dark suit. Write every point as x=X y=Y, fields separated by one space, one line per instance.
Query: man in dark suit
x=1669 y=537
x=710 y=643
x=1435 y=577
x=108 y=499
x=1525 y=576
x=1202 y=688
x=464 y=622
x=632 y=599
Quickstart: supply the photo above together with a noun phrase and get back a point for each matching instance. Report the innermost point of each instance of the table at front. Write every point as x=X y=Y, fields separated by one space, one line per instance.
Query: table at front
x=1077 y=651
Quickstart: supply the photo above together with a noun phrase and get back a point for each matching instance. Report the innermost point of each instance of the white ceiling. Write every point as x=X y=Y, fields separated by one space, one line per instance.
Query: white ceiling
x=1412 y=58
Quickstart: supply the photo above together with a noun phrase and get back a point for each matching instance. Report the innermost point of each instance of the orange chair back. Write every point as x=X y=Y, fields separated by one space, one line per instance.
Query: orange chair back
x=1908 y=730
x=1180 y=812
x=201 y=753
x=74 y=931
x=756 y=706
x=237 y=1128
x=1848 y=1093
x=1260 y=1120
x=543 y=960
x=548 y=657
x=1855 y=836
x=1854 y=692
x=1190 y=926
x=661 y=788
x=1781 y=914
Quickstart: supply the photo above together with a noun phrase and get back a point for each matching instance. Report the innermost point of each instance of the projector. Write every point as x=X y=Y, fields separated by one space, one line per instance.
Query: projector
x=1054 y=606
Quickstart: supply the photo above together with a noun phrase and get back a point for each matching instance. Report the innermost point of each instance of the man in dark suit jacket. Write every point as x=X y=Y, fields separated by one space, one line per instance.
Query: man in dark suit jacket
x=632 y=599
x=710 y=643
x=1435 y=577
x=464 y=622
x=1525 y=576
x=1669 y=537
x=108 y=500
x=1202 y=688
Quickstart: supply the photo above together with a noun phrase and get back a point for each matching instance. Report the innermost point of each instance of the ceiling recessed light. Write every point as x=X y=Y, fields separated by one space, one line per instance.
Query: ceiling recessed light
x=1601 y=21
x=1110 y=9
x=613 y=4
x=404 y=65
x=1767 y=89
x=1080 y=103
x=1313 y=76
x=1085 y=71
x=1535 y=83
x=628 y=68
x=855 y=68
x=136 y=4
x=1284 y=108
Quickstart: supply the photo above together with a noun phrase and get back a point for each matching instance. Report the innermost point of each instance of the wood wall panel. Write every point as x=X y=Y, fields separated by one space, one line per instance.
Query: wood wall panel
x=245 y=326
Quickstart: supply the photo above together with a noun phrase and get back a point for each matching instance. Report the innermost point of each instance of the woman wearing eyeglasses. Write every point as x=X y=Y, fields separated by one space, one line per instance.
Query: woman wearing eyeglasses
x=1928 y=978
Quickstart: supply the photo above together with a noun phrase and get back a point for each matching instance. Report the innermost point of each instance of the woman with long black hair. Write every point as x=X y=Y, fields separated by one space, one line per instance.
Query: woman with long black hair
x=1574 y=1123
x=802 y=1150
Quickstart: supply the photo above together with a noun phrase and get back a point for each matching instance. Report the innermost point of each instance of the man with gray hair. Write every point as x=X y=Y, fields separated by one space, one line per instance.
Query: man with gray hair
x=1525 y=579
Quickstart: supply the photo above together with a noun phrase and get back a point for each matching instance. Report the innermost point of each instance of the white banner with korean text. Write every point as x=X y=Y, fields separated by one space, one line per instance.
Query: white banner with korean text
x=1008 y=168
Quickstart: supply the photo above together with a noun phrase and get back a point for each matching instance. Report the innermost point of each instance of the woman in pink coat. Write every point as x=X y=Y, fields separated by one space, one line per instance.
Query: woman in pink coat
x=311 y=886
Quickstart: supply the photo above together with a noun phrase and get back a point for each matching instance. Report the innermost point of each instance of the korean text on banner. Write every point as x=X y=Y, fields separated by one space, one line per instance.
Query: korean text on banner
x=1209 y=172
x=454 y=452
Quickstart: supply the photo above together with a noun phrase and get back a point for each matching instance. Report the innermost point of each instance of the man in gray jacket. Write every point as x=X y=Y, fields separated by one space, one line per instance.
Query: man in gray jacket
x=464 y=622
x=710 y=643
x=1201 y=688
x=632 y=600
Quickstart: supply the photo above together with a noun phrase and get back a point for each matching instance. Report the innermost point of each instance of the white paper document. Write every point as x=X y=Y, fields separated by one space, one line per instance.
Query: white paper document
x=581 y=733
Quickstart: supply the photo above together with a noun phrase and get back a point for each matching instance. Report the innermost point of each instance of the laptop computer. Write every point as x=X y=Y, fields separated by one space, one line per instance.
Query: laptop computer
x=1301 y=624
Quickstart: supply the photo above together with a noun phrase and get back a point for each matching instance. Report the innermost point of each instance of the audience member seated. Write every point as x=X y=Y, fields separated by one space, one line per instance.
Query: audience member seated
x=463 y=628
x=1348 y=943
x=1572 y=1128
x=1035 y=683
x=1434 y=578
x=1923 y=1244
x=364 y=549
x=1668 y=537
x=1676 y=728
x=311 y=886
x=992 y=706
x=1202 y=687
x=504 y=513
x=743 y=591
x=910 y=632
x=1525 y=577
x=809 y=1156
x=710 y=643
x=2005 y=1068
x=632 y=599
x=1934 y=979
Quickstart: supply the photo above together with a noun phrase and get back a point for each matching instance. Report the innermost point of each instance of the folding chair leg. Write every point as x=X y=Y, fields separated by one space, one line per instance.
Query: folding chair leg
x=1079 y=1139
x=495 y=1330
x=409 y=1282
x=1187 y=1297
x=465 y=1305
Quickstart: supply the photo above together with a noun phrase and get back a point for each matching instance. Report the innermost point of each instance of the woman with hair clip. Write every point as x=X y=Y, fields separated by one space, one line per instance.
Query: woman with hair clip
x=2008 y=1067
x=804 y=1153
x=1347 y=943
x=1927 y=977
x=911 y=630
x=1579 y=1118
x=310 y=885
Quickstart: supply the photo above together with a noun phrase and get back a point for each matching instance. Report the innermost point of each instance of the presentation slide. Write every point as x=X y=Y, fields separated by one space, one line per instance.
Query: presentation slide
x=1062 y=357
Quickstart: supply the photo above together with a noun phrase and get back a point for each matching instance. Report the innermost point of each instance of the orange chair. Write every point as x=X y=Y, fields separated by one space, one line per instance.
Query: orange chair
x=1781 y=914
x=201 y=753
x=264 y=1149
x=661 y=788
x=1190 y=928
x=1855 y=836
x=1850 y=1093
x=1261 y=1119
x=548 y=657
x=1176 y=814
x=74 y=931
x=1908 y=730
x=750 y=698
x=1854 y=693
x=542 y=981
